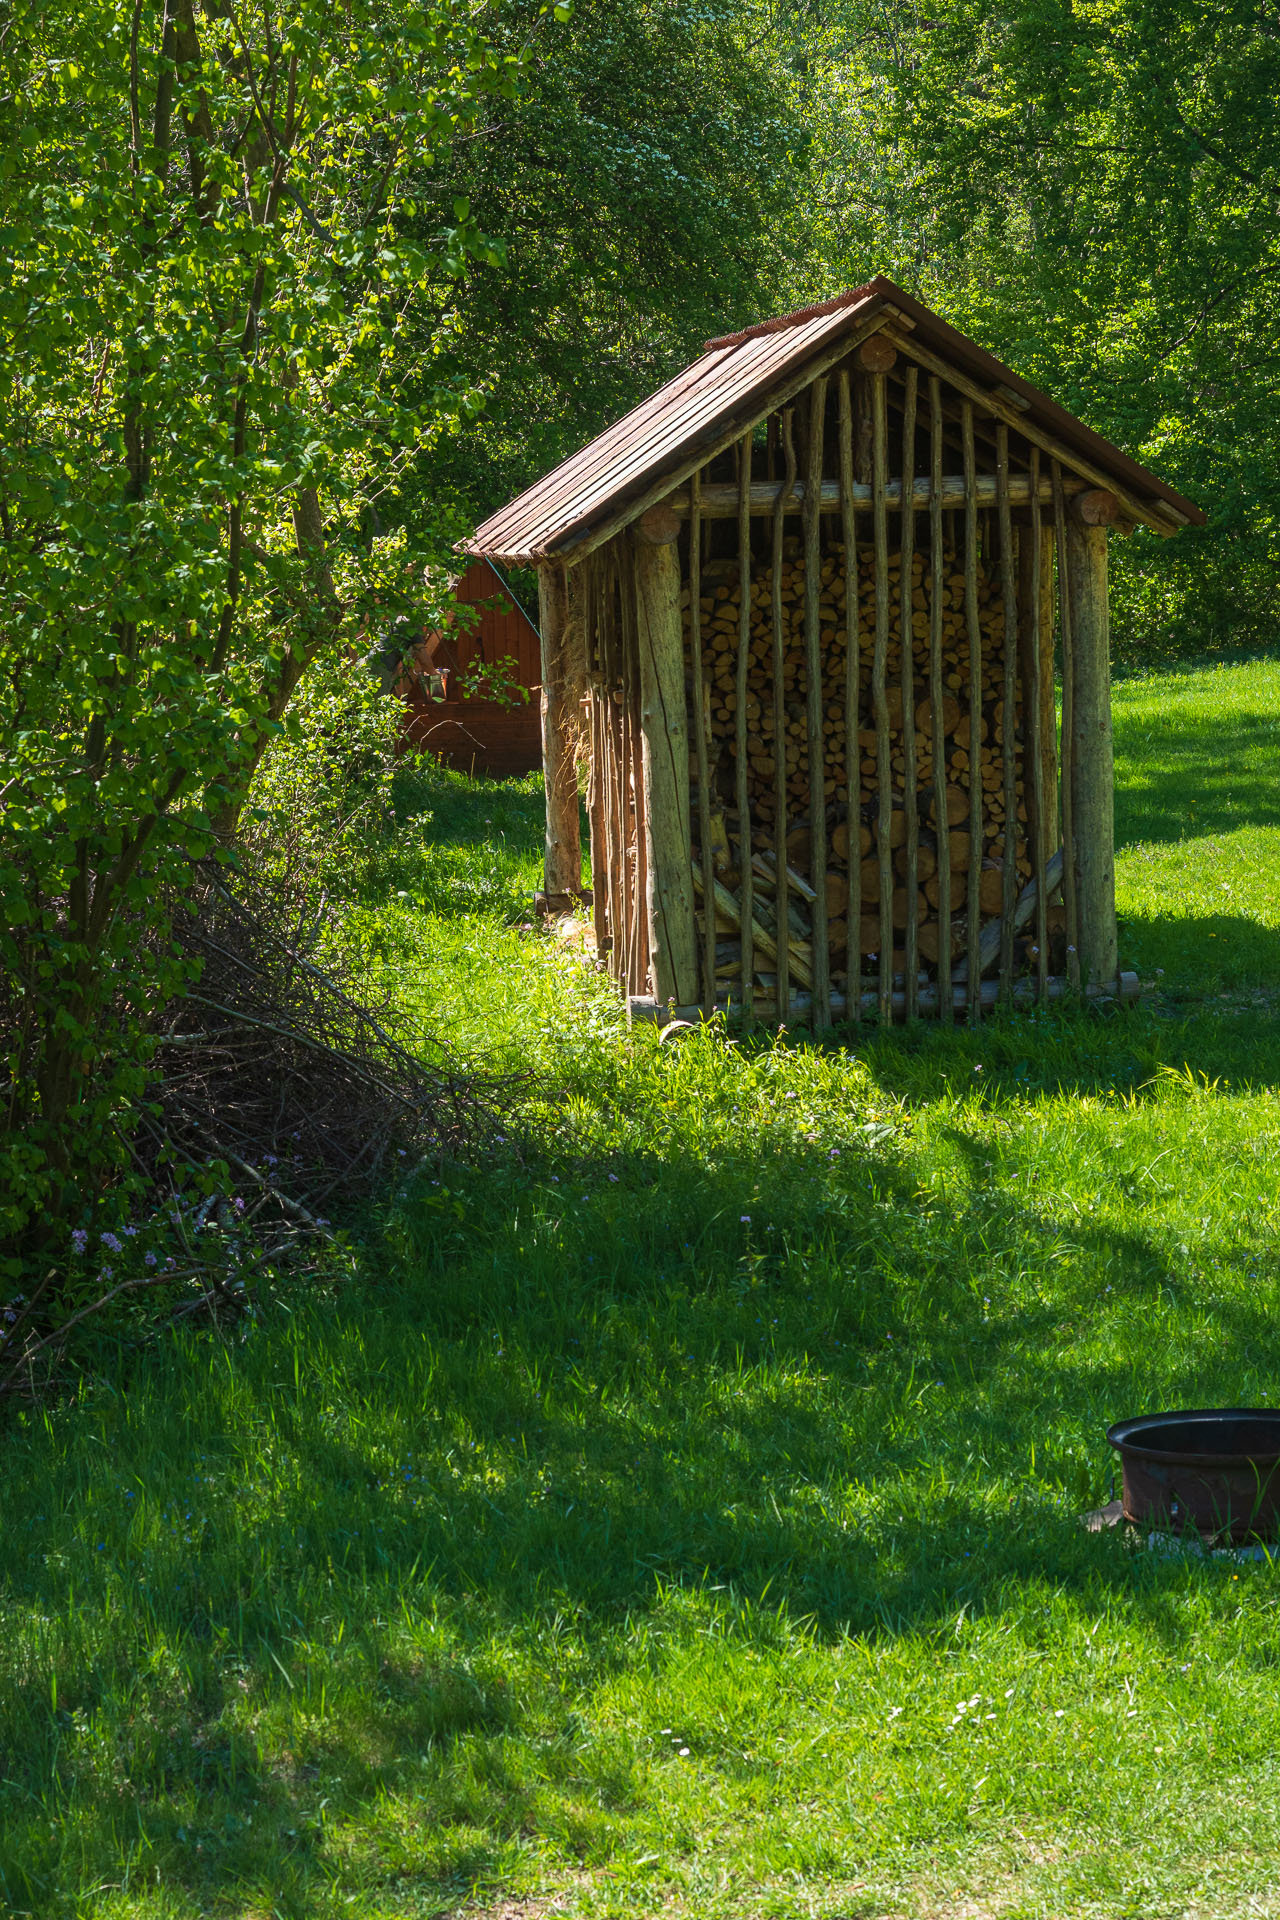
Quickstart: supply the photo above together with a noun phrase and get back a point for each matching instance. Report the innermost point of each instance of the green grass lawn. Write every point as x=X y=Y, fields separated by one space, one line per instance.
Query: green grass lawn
x=680 y=1516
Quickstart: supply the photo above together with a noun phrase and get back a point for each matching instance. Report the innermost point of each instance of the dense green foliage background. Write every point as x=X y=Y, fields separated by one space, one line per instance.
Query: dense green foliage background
x=288 y=301
x=1091 y=189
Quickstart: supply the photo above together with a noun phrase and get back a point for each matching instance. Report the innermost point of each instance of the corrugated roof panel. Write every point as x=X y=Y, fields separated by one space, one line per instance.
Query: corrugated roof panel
x=651 y=438
x=637 y=445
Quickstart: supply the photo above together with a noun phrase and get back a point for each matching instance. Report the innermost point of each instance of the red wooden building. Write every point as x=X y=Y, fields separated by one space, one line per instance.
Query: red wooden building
x=475 y=734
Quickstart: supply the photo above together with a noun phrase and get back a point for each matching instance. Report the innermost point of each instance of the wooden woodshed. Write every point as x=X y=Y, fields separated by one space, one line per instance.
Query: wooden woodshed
x=803 y=606
x=469 y=732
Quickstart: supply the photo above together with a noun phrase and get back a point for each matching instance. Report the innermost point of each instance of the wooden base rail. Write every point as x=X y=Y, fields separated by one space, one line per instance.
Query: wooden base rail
x=1124 y=991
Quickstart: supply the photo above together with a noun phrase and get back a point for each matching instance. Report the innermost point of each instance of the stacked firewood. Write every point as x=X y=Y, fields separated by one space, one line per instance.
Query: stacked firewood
x=972 y=747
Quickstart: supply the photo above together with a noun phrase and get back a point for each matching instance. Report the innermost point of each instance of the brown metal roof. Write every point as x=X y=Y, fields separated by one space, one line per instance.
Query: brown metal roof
x=735 y=383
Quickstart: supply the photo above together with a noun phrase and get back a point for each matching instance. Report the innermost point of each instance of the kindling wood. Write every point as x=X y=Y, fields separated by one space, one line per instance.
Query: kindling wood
x=820 y=610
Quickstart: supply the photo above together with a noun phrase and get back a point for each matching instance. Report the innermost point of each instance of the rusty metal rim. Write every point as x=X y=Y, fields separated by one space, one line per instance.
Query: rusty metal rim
x=1126 y=1436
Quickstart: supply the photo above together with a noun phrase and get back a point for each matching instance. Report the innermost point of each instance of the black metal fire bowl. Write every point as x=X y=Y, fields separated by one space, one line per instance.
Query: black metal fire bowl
x=1214 y=1470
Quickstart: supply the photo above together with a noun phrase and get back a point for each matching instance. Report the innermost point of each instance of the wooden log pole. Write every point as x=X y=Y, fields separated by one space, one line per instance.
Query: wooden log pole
x=699 y=730
x=1048 y=694
x=852 y=673
x=720 y=497
x=597 y=815
x=879 y=699
x=780 y=716
x=1126 y=990
x=1009 y=598
x=562 y=854
x=1031 y=547
x=814 y=706
x=973 y=627
x=610 y=701
x=668 y=848
x=631 y=759
x=1092 y=758
x=1066 y=621
x=937 y=577
x=742 y=682
x=910 y=780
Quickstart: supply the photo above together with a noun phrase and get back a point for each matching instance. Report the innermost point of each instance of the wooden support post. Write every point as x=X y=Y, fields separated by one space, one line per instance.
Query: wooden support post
x=1037 y=784
x=1070 y=875
x=852 y=670
x=1092 y=762
x=562 y=862
x=1009 y=596
x=973 y=627
x=910 y=781
x=814 y=708
x=937 y=577
x=699 y=730
x=634 y=837
x=663 y=797
x=879 y=699
x=742 y=681
x=781 y=897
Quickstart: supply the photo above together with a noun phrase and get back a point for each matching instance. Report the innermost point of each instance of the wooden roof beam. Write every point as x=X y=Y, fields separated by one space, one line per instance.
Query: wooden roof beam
x=719 y=499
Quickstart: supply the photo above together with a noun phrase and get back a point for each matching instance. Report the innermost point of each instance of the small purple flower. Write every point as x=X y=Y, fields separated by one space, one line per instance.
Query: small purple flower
x=149 y=1259
x=745 y=1219
x=111 y=1243
x=130 y=1233
x=238 y=1204
x=79 y=1239
x=614 y=1178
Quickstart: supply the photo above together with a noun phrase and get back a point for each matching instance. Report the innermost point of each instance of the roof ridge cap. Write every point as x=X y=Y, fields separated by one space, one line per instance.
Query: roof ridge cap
x=852 y=296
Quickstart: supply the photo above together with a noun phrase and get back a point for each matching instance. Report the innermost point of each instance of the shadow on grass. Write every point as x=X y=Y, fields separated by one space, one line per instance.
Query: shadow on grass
x=1205 y=953
x=1232 y=1039
x=787 y=1386
x=1185 y=776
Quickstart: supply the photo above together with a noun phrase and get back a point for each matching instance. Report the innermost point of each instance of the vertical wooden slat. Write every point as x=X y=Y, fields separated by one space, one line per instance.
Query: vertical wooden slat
x=880 y=704
x=697 y=727
x=781 y=887
x=1033 y=770
x=1070 y=893
x=974 y=630
x=1092 y=755
x=911 y=775
x=1009 y=594
x=1048 y=697
x=663 y=793
x=598 y=816
x=632 y=777
x=620 y=891
x=936 y=702
x=597 y=801
x=814 y=705
x=852 y=669
x=742 y=684
x=562 y=856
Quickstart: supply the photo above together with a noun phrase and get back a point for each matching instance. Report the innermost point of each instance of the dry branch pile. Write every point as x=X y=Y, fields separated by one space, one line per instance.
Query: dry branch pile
x=972 y=754
x=275 y=1068
x=279 y=1066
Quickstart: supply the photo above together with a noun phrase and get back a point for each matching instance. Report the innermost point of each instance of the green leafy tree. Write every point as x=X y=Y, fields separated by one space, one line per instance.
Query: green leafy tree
x=648 y=184
x=216 y=225
x=1093 y=188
